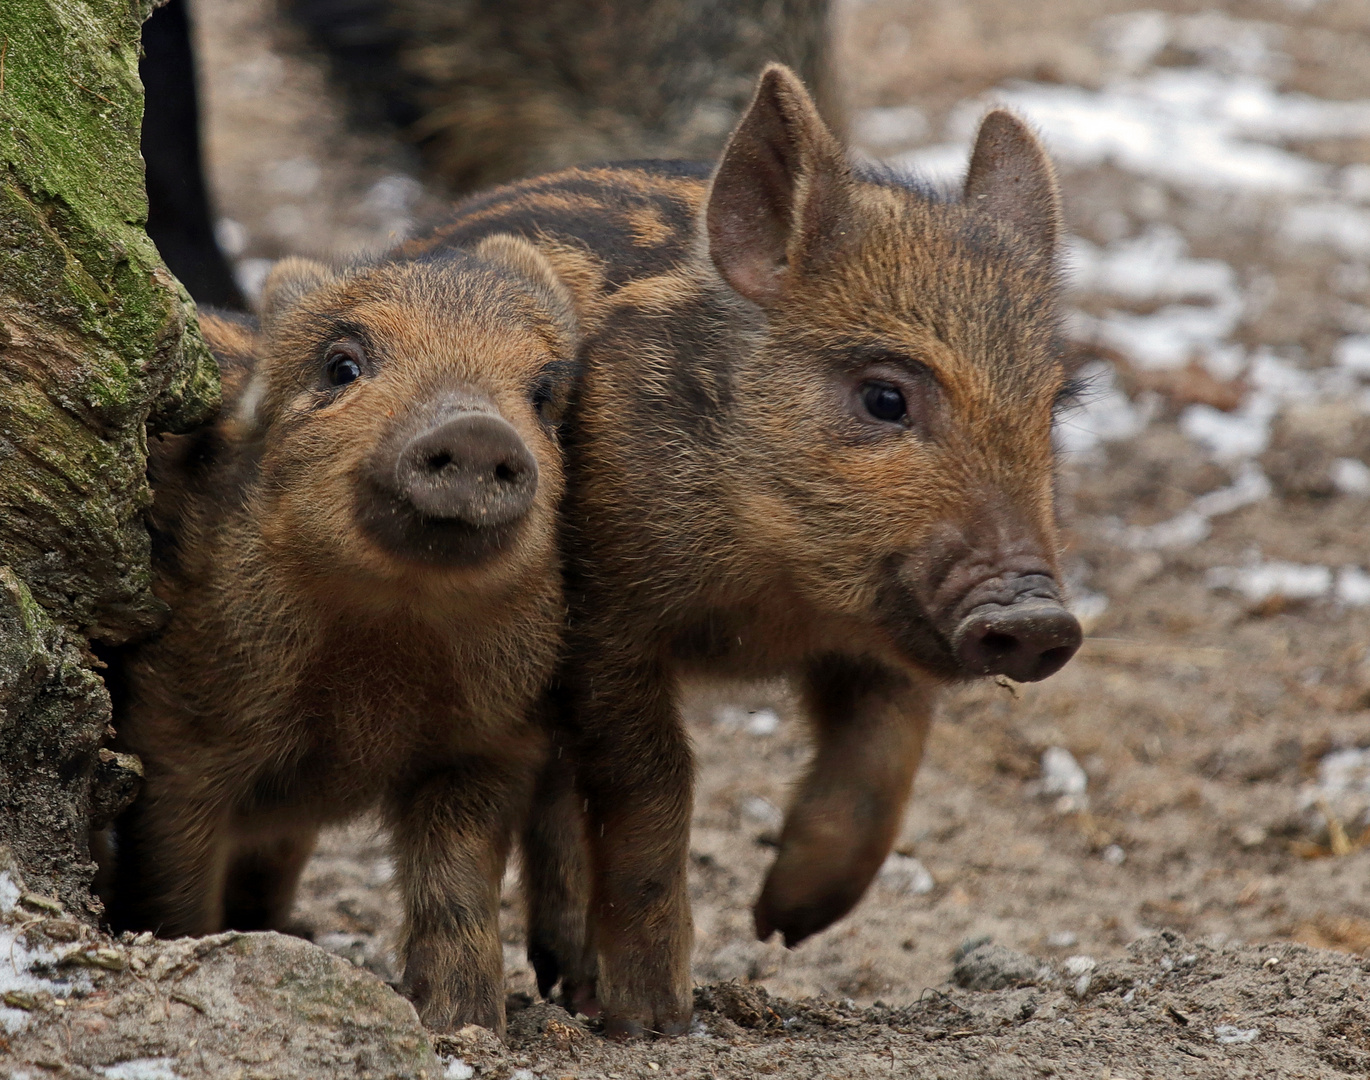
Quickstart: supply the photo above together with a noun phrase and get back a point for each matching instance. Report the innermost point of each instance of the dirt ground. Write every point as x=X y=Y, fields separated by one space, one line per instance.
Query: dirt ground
x=1216 y=491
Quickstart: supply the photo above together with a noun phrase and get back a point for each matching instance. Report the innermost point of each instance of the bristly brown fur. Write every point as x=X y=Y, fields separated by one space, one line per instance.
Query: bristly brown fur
x=734 y=505
x=309 y=672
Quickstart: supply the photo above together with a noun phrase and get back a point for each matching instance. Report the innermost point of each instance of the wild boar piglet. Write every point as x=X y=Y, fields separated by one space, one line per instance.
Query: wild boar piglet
x=361 y=566
x=813 y=438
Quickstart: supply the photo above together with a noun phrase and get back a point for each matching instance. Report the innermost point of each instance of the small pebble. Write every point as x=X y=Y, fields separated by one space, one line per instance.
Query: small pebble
x=1230 y=1035
x=993 y=967
x=1113 y=855
x=1062 y=939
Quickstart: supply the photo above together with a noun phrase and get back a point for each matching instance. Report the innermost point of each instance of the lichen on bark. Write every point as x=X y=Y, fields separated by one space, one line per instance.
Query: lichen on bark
x=98 y=344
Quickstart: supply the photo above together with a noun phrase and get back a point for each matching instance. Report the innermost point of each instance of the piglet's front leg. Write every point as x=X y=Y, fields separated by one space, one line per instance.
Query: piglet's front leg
x=451 y=835
x=636 y=771
x=871 y=722
x=556 y=884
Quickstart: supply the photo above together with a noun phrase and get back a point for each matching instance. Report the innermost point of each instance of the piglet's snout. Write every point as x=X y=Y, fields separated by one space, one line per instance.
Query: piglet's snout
x=473 y=468
x=1026 y=640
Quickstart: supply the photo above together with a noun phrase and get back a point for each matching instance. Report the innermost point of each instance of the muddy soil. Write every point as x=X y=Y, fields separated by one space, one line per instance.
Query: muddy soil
x=1197 y=768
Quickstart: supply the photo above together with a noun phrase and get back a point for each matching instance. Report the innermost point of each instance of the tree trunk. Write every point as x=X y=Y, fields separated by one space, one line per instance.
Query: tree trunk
x=98 y=346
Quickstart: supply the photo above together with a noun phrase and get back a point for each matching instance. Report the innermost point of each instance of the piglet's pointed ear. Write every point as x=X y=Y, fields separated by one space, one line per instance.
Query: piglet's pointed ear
x=289 y=282
x=526 y=260
x=1012 y=179
x=779 y=188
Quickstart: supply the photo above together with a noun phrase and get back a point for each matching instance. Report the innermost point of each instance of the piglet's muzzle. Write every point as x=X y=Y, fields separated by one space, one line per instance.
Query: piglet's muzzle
x=1017 y=628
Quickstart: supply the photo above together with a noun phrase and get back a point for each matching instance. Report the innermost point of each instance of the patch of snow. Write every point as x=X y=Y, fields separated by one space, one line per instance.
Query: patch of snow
x=1249 y=486
x=1341 y=787
x=297 y=176
x=9 y=892
x=1081 y=969
x=1205 y=301
x=457 y=1069
x=763 y=722
x=760 y=811
x=29 y=969
x=1343 y=772
x=1153 y=265
x=1353 y=354
x=1229 y=1035
x=943 y=164
x=905 y=874
x=1185 y=529
x=1353 y=585
x=1062 y=776
x=251 y=276
x=1103 y=415
x=393 y=194
x=141 y=1069
x=1088 y=607
x=1075 y=966
x=1244 y=433
x=1330 y=223
x=1230 y=436
x=752 y=721
x=1351 y=476
x=1191 y=127
x=1193 y=525
x=890 y=128
x=1261 y=581
x=231 y=236
x=1134 y=39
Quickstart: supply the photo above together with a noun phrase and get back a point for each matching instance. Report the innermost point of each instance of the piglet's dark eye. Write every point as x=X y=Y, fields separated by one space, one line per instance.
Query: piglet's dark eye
x=341 y=368
x=884 y=402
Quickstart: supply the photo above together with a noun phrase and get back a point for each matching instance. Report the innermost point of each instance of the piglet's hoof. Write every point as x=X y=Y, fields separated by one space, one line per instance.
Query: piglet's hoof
x=621 y=1029
x=797 y=912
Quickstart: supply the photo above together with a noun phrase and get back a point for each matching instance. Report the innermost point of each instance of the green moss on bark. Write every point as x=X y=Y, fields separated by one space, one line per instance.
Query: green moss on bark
x=97 y=342
x=97 y=338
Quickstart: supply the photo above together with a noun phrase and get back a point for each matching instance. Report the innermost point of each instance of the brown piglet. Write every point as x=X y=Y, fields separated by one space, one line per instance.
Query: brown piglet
x=361 y=564
x=813 y=438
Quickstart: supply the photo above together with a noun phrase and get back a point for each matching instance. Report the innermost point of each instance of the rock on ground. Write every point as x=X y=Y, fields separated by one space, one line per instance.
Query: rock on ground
x=76 y=1003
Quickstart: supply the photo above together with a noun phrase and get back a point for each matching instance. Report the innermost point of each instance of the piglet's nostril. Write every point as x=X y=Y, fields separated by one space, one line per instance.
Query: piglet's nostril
x=996 y=644
x=439 y=461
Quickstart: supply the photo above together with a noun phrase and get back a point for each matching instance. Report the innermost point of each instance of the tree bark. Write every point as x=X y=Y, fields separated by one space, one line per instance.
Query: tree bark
x=98 y=346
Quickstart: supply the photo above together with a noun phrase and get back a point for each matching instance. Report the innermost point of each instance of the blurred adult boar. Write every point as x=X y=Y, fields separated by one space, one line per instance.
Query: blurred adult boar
x=813 y=438
x=489 y=91
x=360 y=561
x=492 y=90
